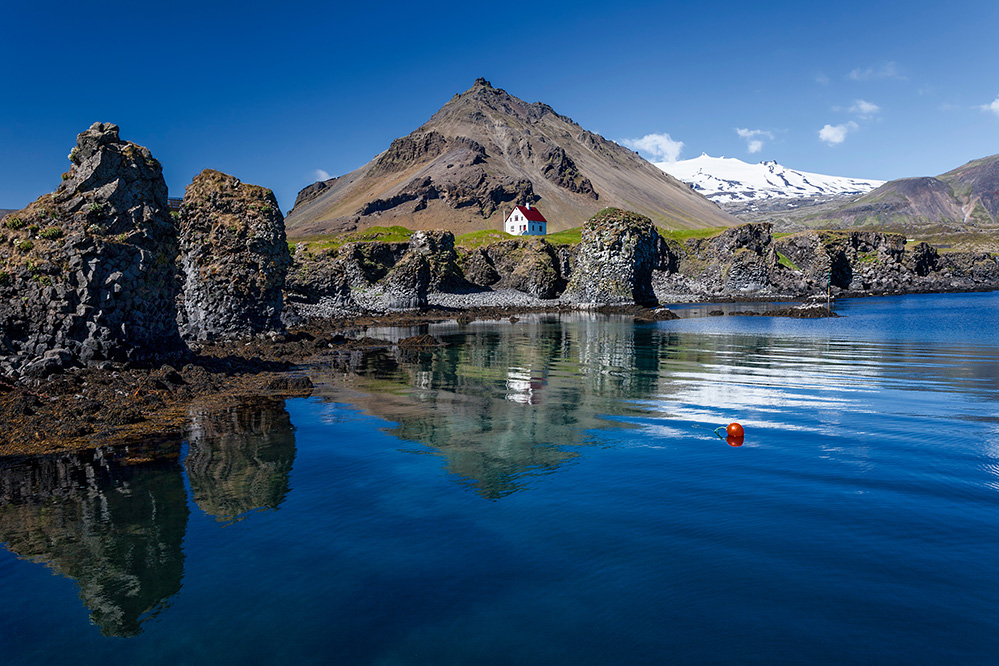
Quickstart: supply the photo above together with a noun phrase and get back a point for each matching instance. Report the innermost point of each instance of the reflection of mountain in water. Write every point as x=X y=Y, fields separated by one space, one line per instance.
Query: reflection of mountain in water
x=500 y=402
x=239 y=458
x=114 y=525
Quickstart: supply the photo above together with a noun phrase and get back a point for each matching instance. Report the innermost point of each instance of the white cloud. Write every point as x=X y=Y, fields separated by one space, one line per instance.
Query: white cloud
x=836 y=134
x=991 y=108
x=753 y=143
x=822 y=79
x=864 y=109
x=886 y=71
x=661 y=147
x=319 y=174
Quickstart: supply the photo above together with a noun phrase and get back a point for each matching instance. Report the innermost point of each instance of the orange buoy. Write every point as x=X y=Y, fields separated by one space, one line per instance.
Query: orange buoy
x=734 y=441
x=735 y=430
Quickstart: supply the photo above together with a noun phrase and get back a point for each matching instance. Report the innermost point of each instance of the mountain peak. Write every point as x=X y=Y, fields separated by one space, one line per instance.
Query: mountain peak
x=484 y=151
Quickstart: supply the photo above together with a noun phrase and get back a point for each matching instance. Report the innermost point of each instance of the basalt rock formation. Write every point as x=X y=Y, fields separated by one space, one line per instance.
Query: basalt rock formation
x=615 y=260
x=437 y=245
x=88 y=273
x=485 y=151
x=747 y=262
x=234 y=259
x=370 y=275
x=738 y=261
x=623 y=259
x=530 y=265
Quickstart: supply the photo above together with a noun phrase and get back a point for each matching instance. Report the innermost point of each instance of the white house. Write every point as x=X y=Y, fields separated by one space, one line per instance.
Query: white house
x=526 y=221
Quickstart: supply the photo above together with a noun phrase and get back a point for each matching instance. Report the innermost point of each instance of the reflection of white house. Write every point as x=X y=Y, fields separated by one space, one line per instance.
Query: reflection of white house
x=522 y=387
x=526 y=221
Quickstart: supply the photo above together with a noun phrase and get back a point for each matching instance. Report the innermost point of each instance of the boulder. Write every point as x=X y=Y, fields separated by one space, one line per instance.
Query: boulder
x=234 y=258
x=615 y=260
x=90 y=270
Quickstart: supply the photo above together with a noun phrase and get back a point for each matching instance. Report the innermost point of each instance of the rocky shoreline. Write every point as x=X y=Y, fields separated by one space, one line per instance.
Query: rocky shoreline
x=115 y=312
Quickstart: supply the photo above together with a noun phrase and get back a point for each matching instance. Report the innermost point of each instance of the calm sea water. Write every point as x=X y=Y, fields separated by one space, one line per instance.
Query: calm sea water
x=548 y=491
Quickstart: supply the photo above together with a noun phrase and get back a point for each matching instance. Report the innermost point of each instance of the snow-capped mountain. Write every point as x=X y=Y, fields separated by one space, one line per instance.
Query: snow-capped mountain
x=730 y=180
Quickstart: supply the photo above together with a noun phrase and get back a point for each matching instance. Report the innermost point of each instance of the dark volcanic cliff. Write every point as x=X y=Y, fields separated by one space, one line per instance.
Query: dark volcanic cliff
x=623 y=259
x=485 y=151
x=233 y=259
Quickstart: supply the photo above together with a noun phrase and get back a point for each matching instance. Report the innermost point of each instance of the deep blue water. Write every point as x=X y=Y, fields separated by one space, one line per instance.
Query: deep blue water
x=548 y=491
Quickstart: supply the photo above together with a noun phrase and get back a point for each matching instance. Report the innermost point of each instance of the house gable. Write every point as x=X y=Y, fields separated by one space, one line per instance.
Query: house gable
x=526 y=221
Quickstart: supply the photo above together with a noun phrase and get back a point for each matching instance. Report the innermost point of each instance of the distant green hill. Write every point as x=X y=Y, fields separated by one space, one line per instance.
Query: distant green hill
x=960 y=207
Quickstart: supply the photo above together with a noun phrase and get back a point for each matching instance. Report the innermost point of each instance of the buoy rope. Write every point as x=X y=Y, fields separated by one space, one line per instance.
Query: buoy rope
x=720 y=435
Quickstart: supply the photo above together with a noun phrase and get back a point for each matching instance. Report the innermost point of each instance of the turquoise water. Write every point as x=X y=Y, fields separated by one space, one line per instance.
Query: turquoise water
x=544 y=492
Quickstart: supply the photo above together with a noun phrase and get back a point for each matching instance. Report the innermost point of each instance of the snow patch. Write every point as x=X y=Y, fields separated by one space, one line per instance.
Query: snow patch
x=728 y=180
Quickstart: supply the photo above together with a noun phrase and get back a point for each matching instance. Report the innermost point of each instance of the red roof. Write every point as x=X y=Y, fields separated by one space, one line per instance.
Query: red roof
x=532 y=214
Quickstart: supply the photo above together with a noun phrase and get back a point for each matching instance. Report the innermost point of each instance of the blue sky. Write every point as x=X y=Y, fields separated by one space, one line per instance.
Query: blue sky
x=276 y=93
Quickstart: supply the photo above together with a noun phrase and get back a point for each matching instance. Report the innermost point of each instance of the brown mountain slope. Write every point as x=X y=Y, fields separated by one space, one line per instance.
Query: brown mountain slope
x=958 y=206
x=976 y=185
x=484 y=152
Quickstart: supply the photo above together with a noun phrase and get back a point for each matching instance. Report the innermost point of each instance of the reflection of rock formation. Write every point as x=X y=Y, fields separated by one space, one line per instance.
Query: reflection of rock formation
x=116 y=526
x=509 y=401
x=240 y=457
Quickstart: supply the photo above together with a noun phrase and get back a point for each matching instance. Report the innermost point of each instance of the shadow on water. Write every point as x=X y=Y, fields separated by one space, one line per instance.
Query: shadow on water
x=113 y=519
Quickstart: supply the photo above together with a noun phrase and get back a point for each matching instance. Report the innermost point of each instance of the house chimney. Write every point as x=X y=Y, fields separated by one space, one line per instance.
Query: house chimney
x=528 y=205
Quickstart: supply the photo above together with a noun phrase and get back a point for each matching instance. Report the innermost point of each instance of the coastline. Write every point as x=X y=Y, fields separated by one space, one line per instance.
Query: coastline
x=82 y=408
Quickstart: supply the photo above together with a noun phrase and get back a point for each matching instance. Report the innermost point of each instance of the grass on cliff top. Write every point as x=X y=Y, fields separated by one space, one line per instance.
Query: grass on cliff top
x=681 y=235
x=394 y=234
x=482 y=237
x=474 y=239
x=568 y=237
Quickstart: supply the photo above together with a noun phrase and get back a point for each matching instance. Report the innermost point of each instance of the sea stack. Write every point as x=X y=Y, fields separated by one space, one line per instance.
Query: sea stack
x=615 y=260
x=87 y=273
x=234 y=259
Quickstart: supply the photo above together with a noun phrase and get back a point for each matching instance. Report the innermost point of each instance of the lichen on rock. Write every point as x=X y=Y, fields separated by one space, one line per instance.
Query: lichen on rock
x=615 y=260
x=234 y=259
x=89 y=271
